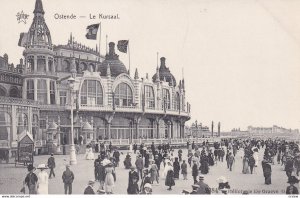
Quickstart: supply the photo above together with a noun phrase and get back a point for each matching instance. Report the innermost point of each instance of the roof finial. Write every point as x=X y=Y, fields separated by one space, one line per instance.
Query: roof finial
x=38 y=7
x=136 y=74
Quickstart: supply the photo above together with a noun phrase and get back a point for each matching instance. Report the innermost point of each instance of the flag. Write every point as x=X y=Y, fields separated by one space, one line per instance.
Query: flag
x=22 y=39
x=92 y=31
x=122 y=45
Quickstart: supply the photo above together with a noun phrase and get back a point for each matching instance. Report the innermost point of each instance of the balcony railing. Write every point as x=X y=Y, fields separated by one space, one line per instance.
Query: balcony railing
x=130 y=109
x=17 y=101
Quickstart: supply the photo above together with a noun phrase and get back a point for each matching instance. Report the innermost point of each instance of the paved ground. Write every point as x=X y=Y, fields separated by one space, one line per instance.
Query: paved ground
x=11 y=178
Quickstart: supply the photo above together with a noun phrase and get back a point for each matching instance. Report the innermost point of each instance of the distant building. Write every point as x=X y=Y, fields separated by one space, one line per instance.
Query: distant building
x=197 y=130
x=274 y=129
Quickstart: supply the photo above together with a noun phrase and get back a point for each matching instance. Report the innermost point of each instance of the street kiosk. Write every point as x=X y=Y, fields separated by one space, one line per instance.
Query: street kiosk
x=25 y=149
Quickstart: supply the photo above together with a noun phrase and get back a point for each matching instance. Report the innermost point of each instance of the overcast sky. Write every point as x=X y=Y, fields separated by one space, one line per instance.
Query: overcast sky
x=241 y=58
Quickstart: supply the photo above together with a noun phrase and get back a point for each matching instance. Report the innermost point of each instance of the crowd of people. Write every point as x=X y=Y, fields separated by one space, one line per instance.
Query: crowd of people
x=156 y=163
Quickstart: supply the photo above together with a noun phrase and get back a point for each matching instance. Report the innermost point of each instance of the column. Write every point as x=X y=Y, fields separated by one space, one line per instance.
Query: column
x=47 y=66
x=169 y=130
x=35 y=82
x=14 y=120
x=56 y=94
x=157 y=127
x=48 y=90
x=29 y=113
x=35 y=64
x=137 y=130
x=24 y=93
x=108 y=130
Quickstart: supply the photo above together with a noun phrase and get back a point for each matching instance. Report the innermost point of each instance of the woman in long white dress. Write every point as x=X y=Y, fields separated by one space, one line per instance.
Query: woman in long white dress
x=42 y=184
x=89 y=153
x=109 y=179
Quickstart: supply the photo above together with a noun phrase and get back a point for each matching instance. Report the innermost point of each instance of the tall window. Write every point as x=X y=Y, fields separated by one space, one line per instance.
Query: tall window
x=63 y=98
x=166 y=99
x=30 y=63
x=22 y=123
x=50 y=64
x=30 y=89
x=42 y=91
x=91 y=93
x=41 y=64
x=177 y=101
x=52 y=92
x=149 y=97
x=5 y=125
x=123 y=95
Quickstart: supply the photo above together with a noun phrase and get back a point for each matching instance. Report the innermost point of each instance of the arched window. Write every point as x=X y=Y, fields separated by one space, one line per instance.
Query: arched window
x=123 y=95
x=65 y=66
x=149 y=97
x=91 y=93
x=22 y=123
x=82 y=67
x=14 y=92
x=2 y=91
x=166 y=99
x=5 y=125
x=30 y=89
x=42 y=91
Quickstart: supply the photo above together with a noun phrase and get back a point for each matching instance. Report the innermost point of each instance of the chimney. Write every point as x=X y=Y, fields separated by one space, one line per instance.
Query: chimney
x=111 y=48
x=163 y=62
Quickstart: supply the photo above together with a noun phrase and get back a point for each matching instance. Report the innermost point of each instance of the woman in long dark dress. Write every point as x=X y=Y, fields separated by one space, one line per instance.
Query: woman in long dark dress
x=127 y=162
x=176 y=166
x=170 y=177
x=267 y=170
x=204 y=164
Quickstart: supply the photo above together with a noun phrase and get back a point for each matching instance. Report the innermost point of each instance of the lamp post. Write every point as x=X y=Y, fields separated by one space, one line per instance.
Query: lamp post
x=73 y=159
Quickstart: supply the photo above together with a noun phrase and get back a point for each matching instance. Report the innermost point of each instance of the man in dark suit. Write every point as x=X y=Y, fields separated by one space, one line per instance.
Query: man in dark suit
x=51 y=165
x=89 y=189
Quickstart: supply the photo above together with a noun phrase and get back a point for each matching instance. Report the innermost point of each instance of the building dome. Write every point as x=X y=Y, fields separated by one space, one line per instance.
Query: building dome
x=116 y=66
x=164 y=73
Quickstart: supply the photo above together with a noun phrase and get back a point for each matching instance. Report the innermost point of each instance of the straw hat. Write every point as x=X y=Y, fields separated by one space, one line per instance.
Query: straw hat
x=147 y=185
x=42 y=166
x=195 y=186
x=91 y=182
x=222 y=179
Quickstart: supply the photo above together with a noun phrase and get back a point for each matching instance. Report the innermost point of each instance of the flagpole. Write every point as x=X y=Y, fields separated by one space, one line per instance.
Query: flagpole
x=106 y=44
x=157 y=59
x=129 y=56
x=100 y=42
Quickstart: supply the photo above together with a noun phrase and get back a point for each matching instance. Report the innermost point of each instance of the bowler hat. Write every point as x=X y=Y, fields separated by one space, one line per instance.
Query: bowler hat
x=30 y=167
x=201 y=177
x=293 y=180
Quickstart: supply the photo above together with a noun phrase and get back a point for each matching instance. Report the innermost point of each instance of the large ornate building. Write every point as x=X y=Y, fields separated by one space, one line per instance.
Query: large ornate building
x=37 y=96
